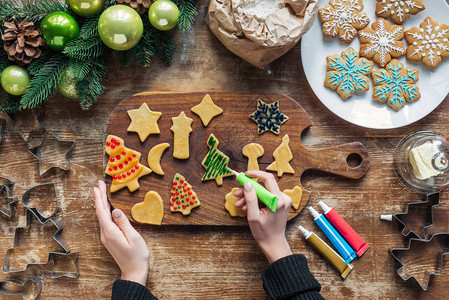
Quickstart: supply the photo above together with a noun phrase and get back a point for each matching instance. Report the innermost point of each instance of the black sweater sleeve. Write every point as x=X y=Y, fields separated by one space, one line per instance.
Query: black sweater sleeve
x=129 y=290
x=290 y=278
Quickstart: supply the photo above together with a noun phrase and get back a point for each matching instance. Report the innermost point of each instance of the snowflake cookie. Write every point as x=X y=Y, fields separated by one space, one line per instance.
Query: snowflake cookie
x=429 y=43
x=398 y=10
x=396 y=84
x=382 y=41
x=347 y=73
x=343 y=17
x=268 y=117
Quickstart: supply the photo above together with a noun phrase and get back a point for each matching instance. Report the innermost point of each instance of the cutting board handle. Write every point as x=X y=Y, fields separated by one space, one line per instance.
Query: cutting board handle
x=348 y=160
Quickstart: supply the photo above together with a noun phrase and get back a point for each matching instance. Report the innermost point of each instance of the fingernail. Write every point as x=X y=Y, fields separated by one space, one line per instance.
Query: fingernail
x=248 y=187
x=95 y=189
x=117 y=213
x=237 y=202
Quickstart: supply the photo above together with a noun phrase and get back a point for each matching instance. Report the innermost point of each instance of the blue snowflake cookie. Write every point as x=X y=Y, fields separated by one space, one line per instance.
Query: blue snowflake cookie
x=347 y=73
x=396 y=85
x=268 y=117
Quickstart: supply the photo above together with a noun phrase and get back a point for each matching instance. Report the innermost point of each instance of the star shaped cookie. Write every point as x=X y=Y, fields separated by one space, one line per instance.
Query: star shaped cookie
x=207 y=110
x=268 y=117
x=144 y=121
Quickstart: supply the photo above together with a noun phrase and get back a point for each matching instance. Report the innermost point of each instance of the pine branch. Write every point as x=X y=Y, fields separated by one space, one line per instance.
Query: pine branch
x=33 y=10
x=89 y=28
x=187 y=13
x=40 y=62
x=79 y=69
x=90 y=88
x=10 y=104
x=44 y=82
x=124 y=57
x=82 y=49
x=160 y=43
x=4 y=61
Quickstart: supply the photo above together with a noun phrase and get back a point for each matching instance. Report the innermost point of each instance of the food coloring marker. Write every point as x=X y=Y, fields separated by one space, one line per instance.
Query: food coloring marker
x=359 y=245
x=336 y=260
x=336 y=239
x=262 y=193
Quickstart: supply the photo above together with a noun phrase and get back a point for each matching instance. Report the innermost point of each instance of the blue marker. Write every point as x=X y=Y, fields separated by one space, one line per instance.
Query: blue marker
x=336 y=239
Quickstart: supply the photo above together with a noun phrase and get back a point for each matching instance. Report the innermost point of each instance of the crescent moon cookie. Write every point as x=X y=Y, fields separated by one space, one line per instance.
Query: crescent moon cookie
x=154 y=157
x=382 y=42
x=343 y=17
x=347 y=73
x=398 y=10
x=429 y=42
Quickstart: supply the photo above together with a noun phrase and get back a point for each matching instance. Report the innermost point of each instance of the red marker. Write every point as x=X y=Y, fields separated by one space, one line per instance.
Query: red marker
x=359 y=245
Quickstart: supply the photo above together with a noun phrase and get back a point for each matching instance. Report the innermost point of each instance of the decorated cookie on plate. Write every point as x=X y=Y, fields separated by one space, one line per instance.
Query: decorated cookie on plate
x=398 y=10
x=429 y=43
x=396 y=85
x=382 y=42
x=343 y=18
x=347 y=73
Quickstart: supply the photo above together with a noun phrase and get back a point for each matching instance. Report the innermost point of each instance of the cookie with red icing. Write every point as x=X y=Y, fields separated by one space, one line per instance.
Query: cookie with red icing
x=183 y=199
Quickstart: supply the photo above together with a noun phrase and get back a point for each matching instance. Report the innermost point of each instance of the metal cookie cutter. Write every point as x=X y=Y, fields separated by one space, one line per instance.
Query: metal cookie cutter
x=26 y=199
x=6 y=187
x=66 y=258
x=442 y=239
x=35 y=149
x=29 y=289
x=30 y=214
x=13 y=123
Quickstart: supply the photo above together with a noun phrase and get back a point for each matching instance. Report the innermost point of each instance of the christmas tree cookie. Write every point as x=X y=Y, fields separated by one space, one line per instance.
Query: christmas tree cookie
x=215 y=162
x=144 y=121
x=282 y=156
x=183 y=198
x=233 y=210
x=150 y=211
x=181 y=129
x=207 y=110
x=124 y=165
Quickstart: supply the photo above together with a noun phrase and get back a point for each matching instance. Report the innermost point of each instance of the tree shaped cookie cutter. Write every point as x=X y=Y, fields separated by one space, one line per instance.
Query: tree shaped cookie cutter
x=24 y=288
x=26 y=199
x=22 y=134
x=7 y=185
x=440 y=259
x=34 y=151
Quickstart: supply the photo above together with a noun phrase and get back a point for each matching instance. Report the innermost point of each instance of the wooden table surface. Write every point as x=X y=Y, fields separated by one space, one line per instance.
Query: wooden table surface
x=221 y=262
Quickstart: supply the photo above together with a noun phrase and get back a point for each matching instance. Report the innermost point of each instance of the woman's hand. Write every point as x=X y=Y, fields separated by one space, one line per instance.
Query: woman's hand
x=267 y=227
x=123 y=242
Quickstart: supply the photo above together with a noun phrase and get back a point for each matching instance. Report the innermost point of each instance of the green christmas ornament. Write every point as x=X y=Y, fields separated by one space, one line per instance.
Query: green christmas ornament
x=86 y=8
x=163 y=15
x=15 y=80
x=67 y=85
x=120 y=27
x=58 y=29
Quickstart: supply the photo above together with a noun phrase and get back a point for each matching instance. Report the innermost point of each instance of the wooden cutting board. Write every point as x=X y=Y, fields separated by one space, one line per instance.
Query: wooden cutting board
x=234 y=129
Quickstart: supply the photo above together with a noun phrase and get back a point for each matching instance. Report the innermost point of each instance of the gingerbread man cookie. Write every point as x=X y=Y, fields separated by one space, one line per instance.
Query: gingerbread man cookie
x=398 y=10
x=429 y=43
x=382 y=42
x=343 y=17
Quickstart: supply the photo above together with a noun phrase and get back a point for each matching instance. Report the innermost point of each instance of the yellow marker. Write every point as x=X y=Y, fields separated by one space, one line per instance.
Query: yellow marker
x=336 y=260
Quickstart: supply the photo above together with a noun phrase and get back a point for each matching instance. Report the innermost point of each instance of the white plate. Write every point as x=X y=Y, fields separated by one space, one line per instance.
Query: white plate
x=361 y=109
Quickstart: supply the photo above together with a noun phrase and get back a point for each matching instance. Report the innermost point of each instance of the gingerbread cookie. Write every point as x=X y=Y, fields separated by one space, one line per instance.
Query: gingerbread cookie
x=154 y=157
x=429 y=43
x=382 y=42
x=296 y=195
x=181 y=129
x=398 y=10
x=215 y=162
x=183 y=198
x=253 y=151
x=233 y=210
x=144 y=121
x=343 y=17
x=268 y=117
x=150 y=211
x=207 y=110
x=123 y=165
x=347 y=73
x=282 y=157
x=396 y=84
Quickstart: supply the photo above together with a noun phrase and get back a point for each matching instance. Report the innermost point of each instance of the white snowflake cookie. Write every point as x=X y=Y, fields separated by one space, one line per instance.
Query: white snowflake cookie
x=398 y=10
x=381 y=42
x=429 y=42
x=347 y=73
x=396 y=85
x=343 y=18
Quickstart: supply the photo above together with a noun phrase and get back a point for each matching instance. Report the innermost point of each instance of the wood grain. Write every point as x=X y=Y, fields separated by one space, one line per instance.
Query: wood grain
x=222 y=262
x=234 y=129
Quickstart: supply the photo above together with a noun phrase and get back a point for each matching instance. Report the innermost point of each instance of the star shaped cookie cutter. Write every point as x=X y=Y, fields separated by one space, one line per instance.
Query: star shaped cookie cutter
x=34 y=151
x=28 y=138
x=56 y=256
x=24 y=288
x=7 y=185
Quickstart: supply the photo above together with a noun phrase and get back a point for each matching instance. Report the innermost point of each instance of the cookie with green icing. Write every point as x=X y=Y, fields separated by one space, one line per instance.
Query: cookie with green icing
x=215 y=162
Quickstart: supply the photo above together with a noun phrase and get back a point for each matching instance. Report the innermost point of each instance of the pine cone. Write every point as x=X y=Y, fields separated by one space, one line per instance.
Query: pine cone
x=141 y=6
x=23 y=42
